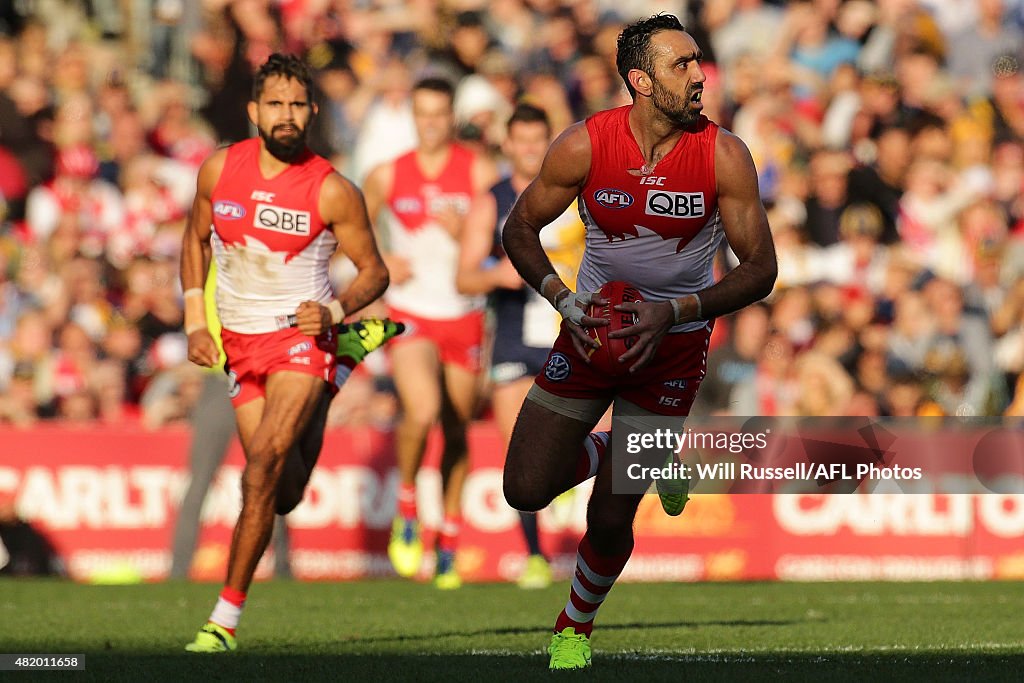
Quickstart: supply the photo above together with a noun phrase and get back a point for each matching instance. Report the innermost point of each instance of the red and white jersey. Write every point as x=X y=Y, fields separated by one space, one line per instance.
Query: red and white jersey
x=271 y=246
x=658 y=231
x=417 y=236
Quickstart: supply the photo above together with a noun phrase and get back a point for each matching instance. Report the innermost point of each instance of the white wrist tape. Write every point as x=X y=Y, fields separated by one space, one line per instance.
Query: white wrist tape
x=195 y=310
x=700 y=307
x=676 y=311
x=544 y=285
x=337 y=312
x=566 y=302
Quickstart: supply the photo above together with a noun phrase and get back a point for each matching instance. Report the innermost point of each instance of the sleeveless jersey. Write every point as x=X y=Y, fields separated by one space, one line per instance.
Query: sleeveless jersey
x=415 y=235
x=270 y=244
x=658 y=231
x=523 y=317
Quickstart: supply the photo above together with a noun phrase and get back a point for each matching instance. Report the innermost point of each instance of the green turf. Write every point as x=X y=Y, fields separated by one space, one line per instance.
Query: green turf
x=393 y=630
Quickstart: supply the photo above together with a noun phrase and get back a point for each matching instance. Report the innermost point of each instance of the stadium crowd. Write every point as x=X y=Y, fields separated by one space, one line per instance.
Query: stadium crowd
x=888 y=137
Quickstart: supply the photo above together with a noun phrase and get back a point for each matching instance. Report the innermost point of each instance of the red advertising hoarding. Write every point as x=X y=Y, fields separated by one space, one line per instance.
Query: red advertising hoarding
x=107 y=496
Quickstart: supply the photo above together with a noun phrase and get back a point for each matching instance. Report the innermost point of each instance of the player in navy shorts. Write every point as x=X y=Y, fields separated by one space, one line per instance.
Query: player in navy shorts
x=524 y=326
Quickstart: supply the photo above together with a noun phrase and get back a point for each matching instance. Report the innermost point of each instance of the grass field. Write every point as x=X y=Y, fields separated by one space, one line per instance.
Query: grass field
x=390 y=630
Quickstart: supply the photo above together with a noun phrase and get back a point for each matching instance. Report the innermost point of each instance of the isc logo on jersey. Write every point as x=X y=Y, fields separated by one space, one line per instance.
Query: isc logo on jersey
x=278 y=219
x=675 y=204
x=613 y=199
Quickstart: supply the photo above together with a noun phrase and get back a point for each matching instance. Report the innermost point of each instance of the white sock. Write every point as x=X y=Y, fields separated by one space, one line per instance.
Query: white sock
x=226 y=614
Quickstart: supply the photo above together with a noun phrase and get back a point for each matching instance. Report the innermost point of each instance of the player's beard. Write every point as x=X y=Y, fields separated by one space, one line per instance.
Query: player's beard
x=288 y=149
x=675 y=108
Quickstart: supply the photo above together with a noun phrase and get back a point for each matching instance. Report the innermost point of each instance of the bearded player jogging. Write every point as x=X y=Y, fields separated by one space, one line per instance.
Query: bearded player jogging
x=273 y=214
x=659 y=186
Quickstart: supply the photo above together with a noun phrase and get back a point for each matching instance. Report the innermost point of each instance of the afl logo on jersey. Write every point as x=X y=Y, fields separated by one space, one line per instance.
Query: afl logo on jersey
x=558 y=367
x=613 y=199
x=229 y=211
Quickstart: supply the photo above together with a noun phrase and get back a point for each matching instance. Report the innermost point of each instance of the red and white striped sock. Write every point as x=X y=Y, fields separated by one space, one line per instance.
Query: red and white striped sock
x=448 y=535
x=228 y=609
x=591 y=453
x=594 y=577
x=407 y=500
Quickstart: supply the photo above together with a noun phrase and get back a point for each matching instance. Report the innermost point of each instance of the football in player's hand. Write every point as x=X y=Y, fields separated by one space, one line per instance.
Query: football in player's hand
x=606 y=357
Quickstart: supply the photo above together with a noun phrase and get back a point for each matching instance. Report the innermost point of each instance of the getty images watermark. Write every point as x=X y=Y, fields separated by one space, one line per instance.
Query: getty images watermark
x=819 y=455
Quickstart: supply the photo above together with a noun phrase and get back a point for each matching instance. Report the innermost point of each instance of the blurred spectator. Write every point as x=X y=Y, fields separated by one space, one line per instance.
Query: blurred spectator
x=388 y=131
x=858 y=260
x=828 y=199
x=76 y=202
x=742 y=27
x=822 y=386
x=888 y=137
x=961 y=353
x=733 y=363
x=772 y=388
x=978 y=44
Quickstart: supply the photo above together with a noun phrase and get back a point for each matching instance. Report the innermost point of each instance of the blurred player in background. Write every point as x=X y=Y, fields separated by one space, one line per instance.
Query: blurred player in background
x=273 y=214
x=524 y=325
x=436 y=366
x=660 y=186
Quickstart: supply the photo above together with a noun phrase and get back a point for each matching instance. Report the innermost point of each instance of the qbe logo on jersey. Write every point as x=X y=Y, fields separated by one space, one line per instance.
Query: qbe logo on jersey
x=675 y=204
x=278 y=219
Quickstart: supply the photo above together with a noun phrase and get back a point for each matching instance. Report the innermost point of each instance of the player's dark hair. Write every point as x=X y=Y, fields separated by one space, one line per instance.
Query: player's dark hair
x=285 y=66
x=527 y=113
x=634 y=45
x=435 y=84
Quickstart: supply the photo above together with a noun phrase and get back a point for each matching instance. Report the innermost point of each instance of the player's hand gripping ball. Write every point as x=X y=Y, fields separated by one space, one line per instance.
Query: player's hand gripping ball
x=605 y=358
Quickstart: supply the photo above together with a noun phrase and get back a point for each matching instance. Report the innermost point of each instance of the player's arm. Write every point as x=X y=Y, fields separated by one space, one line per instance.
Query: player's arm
x=483 y=174
x=343 y=208
x=195 y=262
x=746 y=228
x=376 y=189
x=475 y=246
x=561 y=177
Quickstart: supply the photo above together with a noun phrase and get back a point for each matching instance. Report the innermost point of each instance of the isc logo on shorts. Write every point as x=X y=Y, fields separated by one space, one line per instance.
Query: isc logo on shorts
x=275 y=218
x=675 y=204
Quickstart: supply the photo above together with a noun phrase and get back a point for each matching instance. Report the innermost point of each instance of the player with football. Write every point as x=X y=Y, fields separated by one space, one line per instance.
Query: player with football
x=524 y=325
x=659 y=186
x=272 y=214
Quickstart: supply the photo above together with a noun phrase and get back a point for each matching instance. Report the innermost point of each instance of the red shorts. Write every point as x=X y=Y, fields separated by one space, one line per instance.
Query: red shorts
x=251 y=358
x=667 y=386
x=458 y=340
